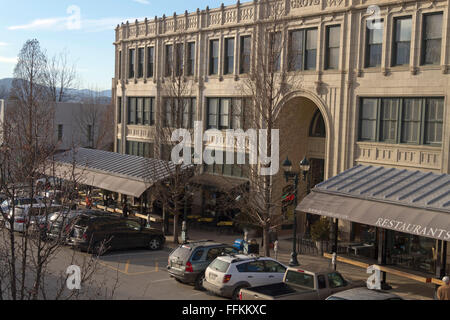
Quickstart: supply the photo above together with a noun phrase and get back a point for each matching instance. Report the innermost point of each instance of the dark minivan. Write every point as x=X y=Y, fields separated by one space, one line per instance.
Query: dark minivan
x=188 y=262
x=99 y=234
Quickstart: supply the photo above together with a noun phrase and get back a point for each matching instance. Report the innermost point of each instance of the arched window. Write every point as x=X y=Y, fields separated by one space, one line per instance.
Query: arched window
x=317 y=128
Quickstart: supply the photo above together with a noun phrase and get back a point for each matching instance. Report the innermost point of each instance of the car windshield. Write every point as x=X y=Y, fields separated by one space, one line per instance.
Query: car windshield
x=300 y=278
x=219 y=265
x=182 y=253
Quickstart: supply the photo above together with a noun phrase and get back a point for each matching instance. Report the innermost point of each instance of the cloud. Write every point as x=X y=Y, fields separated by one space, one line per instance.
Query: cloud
x=142 y=1
x=8 y=60
x=74 y=22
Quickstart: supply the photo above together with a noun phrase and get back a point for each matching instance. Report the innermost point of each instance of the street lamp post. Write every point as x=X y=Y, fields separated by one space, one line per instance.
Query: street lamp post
x=292 y=175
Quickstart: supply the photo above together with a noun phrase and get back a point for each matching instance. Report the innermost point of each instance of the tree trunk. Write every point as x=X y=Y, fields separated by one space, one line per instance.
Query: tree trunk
x=266 y=240
x=175 y=228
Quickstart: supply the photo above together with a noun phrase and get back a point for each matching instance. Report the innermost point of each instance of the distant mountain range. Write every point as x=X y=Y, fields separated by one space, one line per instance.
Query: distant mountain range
x=73 y=95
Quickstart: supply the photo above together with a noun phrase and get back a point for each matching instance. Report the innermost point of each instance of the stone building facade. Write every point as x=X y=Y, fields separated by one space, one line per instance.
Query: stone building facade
x=374 y=78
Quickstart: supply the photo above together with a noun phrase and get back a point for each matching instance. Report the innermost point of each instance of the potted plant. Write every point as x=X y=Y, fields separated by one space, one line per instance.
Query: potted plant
x=320 y=231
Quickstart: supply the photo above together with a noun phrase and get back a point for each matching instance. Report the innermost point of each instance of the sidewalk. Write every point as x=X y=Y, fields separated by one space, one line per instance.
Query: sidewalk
x=406 y=288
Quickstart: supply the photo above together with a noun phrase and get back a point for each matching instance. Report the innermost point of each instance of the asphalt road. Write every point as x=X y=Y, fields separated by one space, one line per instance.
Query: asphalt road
x=133 y=274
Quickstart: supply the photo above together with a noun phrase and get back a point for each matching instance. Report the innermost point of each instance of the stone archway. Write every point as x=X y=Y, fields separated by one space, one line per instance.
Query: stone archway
x=298 y=116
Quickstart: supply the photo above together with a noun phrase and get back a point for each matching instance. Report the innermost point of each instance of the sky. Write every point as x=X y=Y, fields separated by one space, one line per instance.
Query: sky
x=84 y=28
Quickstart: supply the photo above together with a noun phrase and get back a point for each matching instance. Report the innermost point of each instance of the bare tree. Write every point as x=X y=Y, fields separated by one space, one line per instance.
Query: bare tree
x=177 y=114
x=27 y=152
x=4 y=92
x=60 y=76
x=268 y=82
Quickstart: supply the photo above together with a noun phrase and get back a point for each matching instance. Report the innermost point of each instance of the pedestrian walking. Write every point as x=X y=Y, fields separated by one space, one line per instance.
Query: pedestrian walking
x=443 y=292
x=125 y=210
x=88 y=202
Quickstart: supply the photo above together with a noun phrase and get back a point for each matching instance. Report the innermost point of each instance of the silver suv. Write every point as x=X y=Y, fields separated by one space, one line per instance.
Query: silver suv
x=187 y=263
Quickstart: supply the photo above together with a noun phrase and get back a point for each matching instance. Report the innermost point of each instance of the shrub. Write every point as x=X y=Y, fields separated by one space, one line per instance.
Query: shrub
x=320 y=230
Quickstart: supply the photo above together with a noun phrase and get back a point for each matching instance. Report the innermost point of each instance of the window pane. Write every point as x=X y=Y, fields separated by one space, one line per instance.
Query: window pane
x=333 y=40
x=140 y=110
x=296 y=48
x=229 y=56
x=213 y=110
x=141 y=62
x=225 y=113
x=191 y=59
x=150 y=62
x=169 y=60
x=237 y=114
x=311 y=49
x=214 y=57
x=374 y=47
x=179 y=59
x=389 y=110
x=402 y=44
x=275 y=51
x=147 y=106
x=246 y=47
x=411 y=120
x=432 y=34
x=132 y=111
x=368 y=119
x=131 y=63
x=434 y=113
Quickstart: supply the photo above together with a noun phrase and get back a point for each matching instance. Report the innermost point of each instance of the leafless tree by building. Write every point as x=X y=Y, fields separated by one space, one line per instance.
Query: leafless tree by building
x=267 y=83
x=26 y=271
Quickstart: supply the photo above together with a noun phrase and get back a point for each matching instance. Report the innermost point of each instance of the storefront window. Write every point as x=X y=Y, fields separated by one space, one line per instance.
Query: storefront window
x=410 y=251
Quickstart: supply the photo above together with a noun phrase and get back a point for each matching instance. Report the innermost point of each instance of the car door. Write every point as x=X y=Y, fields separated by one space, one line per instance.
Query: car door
x=255 y=273
x=322 y=288
x=131 y=235
x=273 y=271
x=336 y=282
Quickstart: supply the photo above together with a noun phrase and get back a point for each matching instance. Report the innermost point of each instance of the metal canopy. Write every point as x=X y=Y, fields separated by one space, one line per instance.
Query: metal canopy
x=408 y=201
x=125 y=174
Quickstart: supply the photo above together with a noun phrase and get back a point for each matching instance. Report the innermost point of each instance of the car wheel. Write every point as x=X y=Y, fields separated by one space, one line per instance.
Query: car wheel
x=198 y=285
x=236 y=293
x=155 y=244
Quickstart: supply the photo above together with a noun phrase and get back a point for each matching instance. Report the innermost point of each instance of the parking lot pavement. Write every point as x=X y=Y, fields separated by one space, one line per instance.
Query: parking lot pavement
x=140 y=275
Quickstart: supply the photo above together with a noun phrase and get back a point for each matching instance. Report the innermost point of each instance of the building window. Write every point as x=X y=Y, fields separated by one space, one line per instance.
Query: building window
x=401 y=48
x=402 y=120
x=230 y=170
x=131 y=64
x=119 y=110
x=333 y=40
x=303 y=50
x=169 y=60
x=246 y=50
x=180 y=117
x=389 y=120
x=190 y=59
x=141 y=62
x=60 y=132
x=432 y=38
x=150 y=63
x=374 y=46
x=228 y=67
x=317 y=128
x=225 y=113
x=214 y=57
x=140 y=149
x=434 y=119
x=119 y=146
x=179 y=59
x=275 y=47
x=141 y=111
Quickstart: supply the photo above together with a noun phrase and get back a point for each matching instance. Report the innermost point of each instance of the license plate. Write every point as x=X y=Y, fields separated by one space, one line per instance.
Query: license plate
x=212 y=276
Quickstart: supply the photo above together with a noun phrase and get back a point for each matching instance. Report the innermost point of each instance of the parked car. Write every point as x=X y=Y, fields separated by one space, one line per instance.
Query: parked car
x=20 y=201
x=29 y=215
x=100 y=233
x=227 y=275
x=364 y=294
x=301 y=284
x=59 y=224
x=188 y=262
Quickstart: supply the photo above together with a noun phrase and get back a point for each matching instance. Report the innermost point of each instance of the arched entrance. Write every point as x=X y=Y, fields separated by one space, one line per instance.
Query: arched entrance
x=303 y=122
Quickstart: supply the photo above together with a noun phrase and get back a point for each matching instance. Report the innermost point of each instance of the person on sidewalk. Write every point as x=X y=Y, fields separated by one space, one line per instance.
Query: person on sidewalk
x=443 y=292
x=125 y=210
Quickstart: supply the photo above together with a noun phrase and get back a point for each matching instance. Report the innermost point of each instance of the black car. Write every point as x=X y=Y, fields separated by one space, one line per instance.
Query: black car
x=59 y=225
x=101 y=233
x=188 y=262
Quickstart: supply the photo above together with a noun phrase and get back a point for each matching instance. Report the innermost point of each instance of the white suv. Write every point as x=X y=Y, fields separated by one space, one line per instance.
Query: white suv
x=227 y=275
